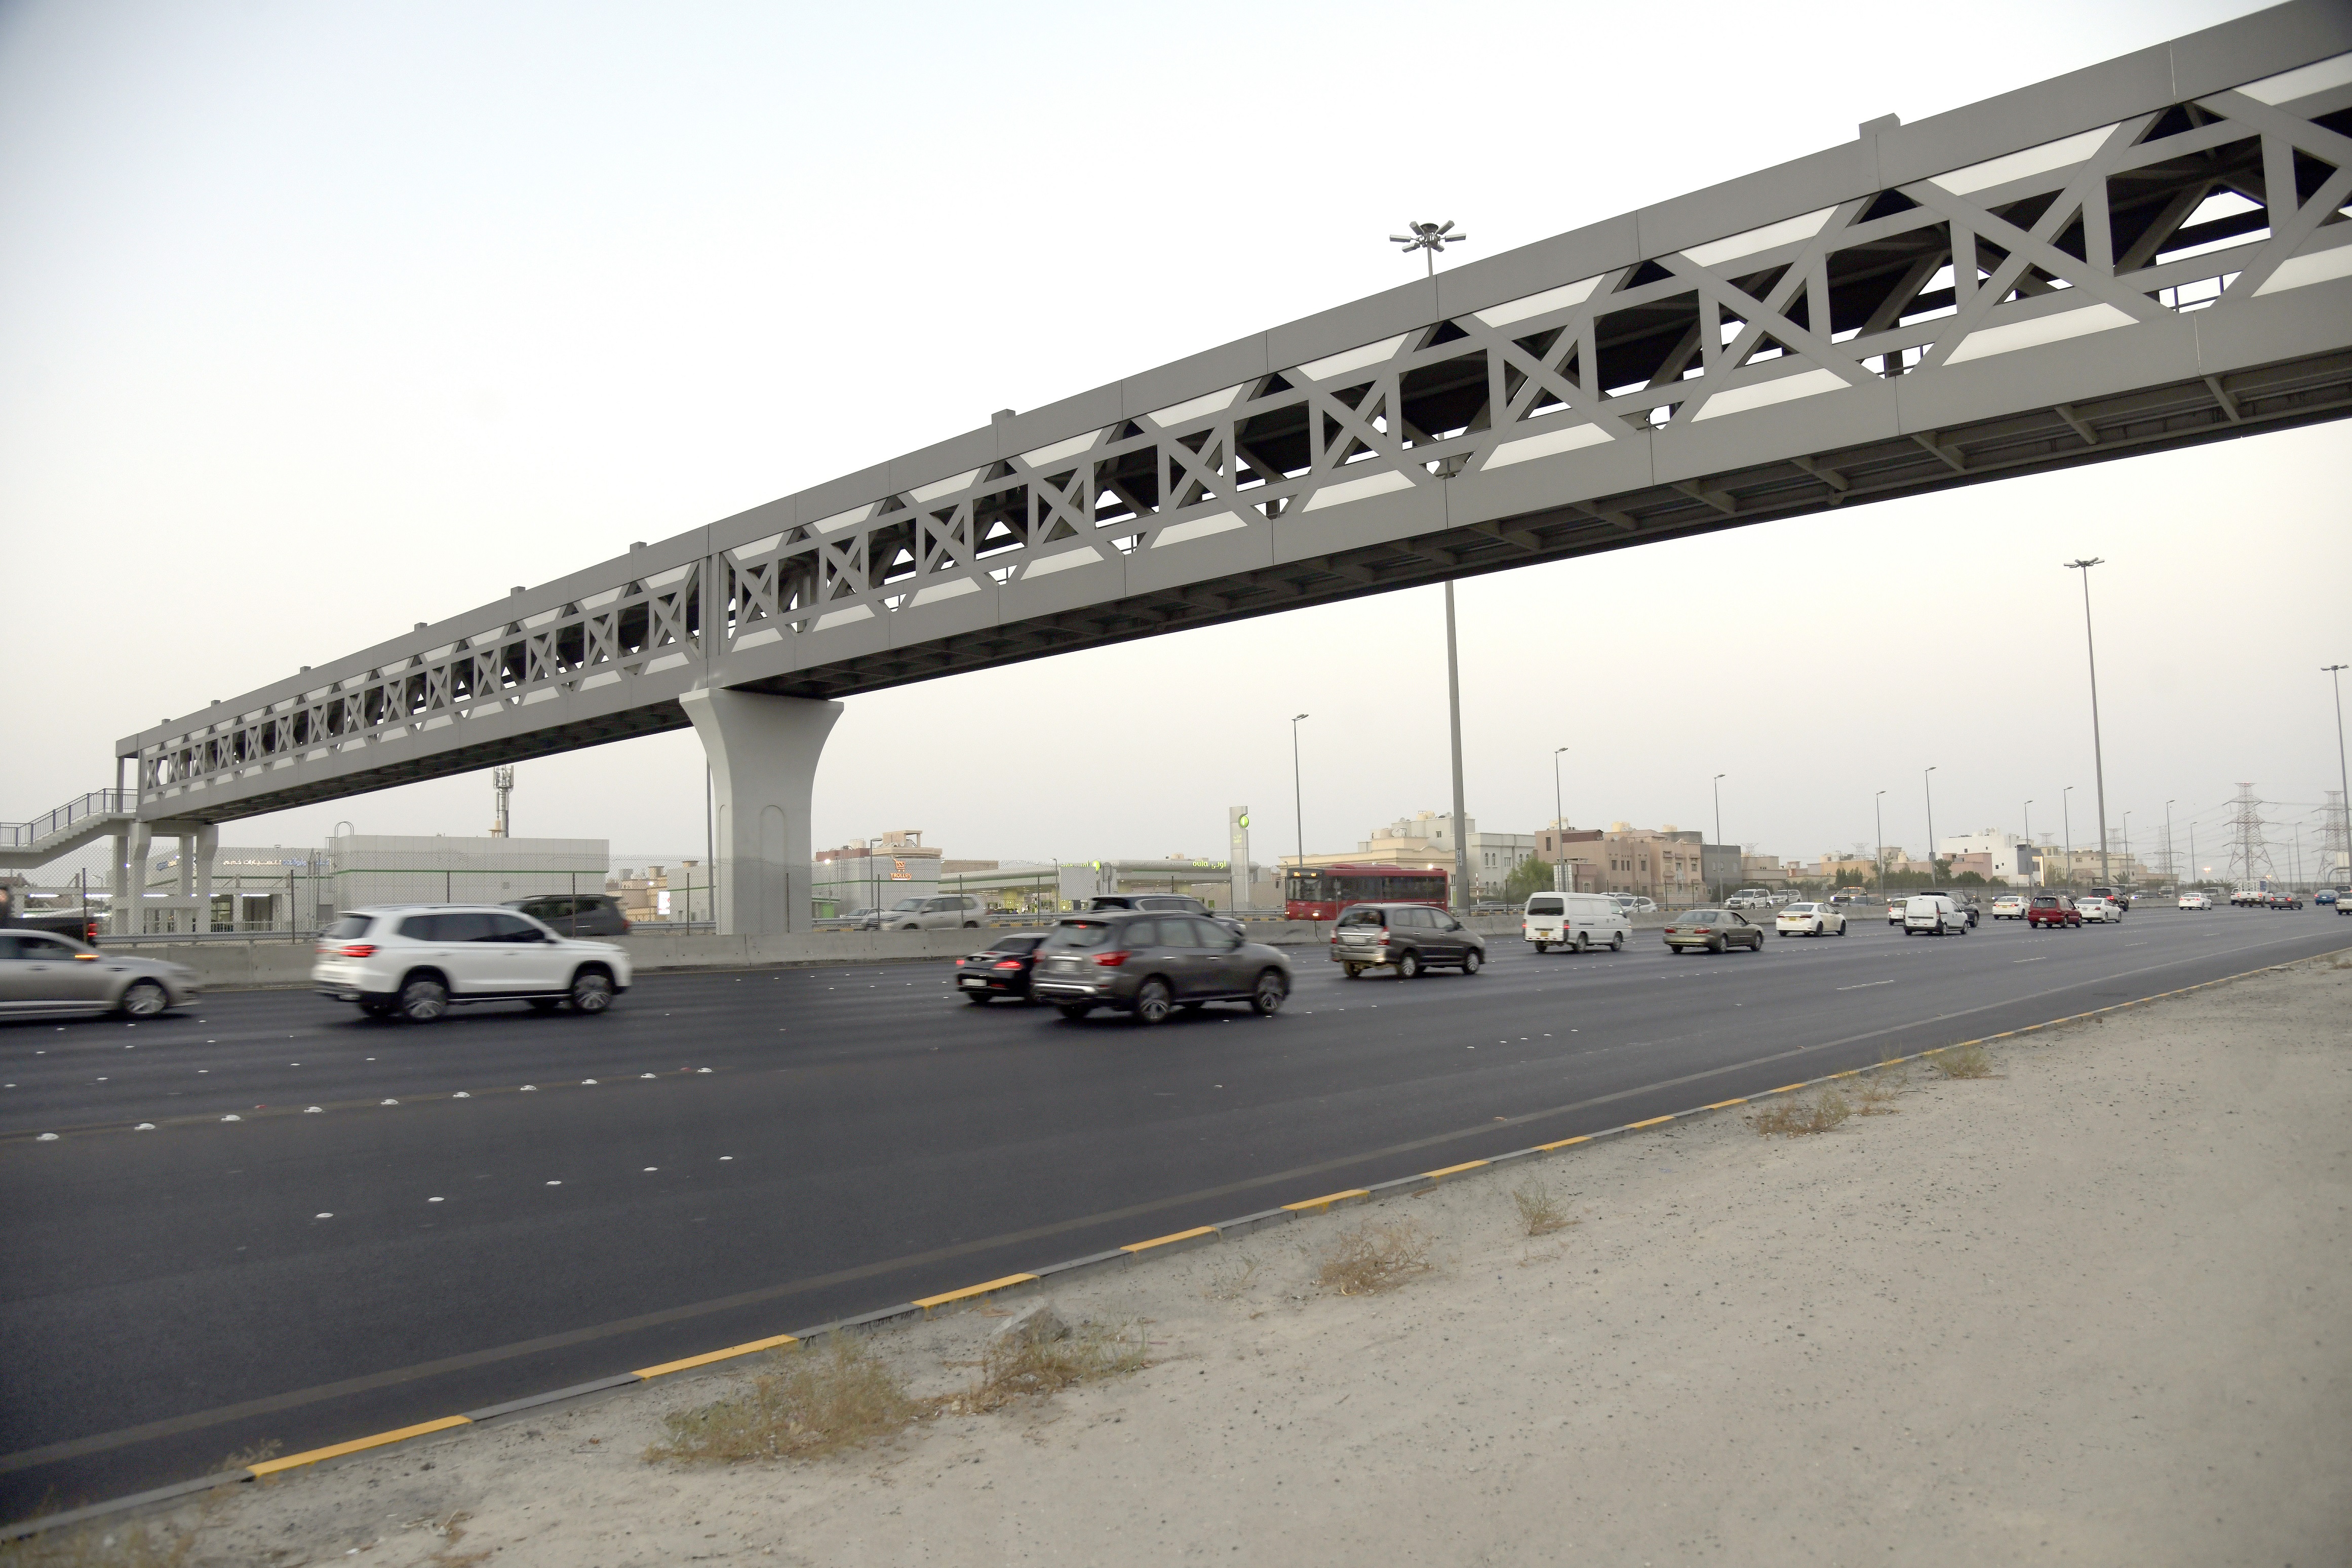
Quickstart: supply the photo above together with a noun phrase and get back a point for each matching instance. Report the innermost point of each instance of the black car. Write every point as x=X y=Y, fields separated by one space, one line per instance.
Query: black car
x=1176 y=903
x=1002 y=969
x=1407 y=938
x=1150 y=964
x=576 y=914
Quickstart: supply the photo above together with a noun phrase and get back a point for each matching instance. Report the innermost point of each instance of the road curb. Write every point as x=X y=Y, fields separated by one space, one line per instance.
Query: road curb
x=1131 y=1255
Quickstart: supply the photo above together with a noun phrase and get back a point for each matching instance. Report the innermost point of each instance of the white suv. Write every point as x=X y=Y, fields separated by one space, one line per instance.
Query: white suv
x=419 y=960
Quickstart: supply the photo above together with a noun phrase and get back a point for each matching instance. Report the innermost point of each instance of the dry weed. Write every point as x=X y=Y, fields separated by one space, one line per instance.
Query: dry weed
x=815 y=1402
x=1230 y=1281
x=1968 y=1062
x=1792 y=1119
x=1015 y=1369
x=128 y=1544
x=1376 y=1257
x=1539 y=1210
x=1875 y=1093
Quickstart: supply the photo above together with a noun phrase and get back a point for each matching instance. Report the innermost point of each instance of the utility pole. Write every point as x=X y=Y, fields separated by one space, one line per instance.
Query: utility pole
x=2098 y=755
x=2171 y=867
x=2029 y=840
x=1453 y=707
x=1298 y=804
x=2066 y=812
x=1559 y=827
x=1878 y=845
x=2343 y=846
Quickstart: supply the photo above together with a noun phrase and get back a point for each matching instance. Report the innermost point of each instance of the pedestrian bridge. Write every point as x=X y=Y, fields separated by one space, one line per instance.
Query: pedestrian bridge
x=2150 y=253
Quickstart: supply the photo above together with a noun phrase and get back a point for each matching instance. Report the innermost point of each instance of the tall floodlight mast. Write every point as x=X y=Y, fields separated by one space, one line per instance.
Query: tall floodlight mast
x=1429 y=238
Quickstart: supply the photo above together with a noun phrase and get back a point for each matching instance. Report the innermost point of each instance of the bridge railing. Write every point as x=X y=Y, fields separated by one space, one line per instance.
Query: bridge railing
x=98 y=802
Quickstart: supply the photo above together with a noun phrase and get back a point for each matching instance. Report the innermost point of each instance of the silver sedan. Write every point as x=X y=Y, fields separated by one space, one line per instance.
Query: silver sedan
x=43 y=973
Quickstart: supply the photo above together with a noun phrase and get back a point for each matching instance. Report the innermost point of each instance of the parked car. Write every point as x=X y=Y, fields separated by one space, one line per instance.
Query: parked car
x=1150 y=964
x=943 y=912
x=2195 y=901
x=1407 y=938
x=2053 y=909
x=2106 y=912
x=1749 y=898
x=1933 y=914
x=1177 y=903
x=2009 y=907
x=1809 y=919
x=44 y=973
x=1716 y=930
x=575 y=915
x=1000 y=969
x=1578 y=921
x=420 y=960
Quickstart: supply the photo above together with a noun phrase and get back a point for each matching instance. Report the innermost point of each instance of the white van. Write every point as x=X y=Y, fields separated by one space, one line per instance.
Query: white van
x=1578 y=921
x=1933 y=914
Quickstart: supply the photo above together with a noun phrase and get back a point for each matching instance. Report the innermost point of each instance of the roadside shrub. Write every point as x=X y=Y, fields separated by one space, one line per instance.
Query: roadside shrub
x=1017 y=1367
x=1794 y=1119
x=1874 y=1093
x=1539 y=1210
x=1968 y=1062
x=814 y=1403
x=1376 y=1257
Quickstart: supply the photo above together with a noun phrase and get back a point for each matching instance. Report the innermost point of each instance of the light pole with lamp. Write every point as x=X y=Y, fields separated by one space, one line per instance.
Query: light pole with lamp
x=1297 y=801
x=2171 y=867
x=2334 y=673
x=2127 y=860
x=1928 y=785
x=1462 y=899
x=1429 y=238
x=2066 y=814
x=1878 y=847
x=1558 y=825
x=2029 y=840
x=2098 y=755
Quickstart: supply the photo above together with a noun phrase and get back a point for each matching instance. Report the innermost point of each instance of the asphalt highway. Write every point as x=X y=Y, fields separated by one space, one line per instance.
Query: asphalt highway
x=506 y=1202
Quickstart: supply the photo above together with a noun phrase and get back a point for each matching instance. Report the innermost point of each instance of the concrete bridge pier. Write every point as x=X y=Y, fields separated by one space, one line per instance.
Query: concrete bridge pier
x=129 y=880
x=196 y=851
x=763 y=753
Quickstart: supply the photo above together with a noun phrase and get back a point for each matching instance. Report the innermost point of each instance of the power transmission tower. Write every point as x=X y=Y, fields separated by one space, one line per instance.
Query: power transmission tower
x=2250 y=853
x=2335 y=840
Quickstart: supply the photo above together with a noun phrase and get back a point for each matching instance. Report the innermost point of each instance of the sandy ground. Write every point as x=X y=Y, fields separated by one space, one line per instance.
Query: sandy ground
x=2093 y=1311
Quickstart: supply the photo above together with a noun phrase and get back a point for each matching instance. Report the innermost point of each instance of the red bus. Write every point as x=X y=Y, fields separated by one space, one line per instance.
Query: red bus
x=1321 y=892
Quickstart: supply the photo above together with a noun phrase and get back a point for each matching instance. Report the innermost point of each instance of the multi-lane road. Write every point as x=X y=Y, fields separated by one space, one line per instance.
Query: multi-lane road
x=506 y=1202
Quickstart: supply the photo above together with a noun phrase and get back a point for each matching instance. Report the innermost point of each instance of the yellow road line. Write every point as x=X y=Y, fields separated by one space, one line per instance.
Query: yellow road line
x=1719 y=1105
x=1652 y=1121
x=1164 y=1240
x=1009 y=1280
x=1454 y=1170
x=1579 y=1138
x=1320 y=1205
x=770 y=1343
x=336 y=1451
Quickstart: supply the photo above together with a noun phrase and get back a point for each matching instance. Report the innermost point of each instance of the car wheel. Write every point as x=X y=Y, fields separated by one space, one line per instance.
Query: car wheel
x=1408 y=965
x=144 y=999
x=1473 y=957
x=592 y=991
x=1543 y=947
x=1352 y=971
x=545 y=1003
x=971 y=925
x=1073 y=1011
x=1617 y=942
x=977 y=998
x=424 y=1000
x=1716 y=944
x=1841 y=928
x=1583 y=941
x=1270 y=993
x=1153 y=1002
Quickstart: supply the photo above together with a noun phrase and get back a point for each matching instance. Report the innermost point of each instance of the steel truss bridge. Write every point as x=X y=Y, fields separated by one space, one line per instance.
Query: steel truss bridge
x=2147 y=254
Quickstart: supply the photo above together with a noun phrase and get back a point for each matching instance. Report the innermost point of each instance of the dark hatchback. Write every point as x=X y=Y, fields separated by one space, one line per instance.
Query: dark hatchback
x=1407 y=938
x=1151 y=965
x=1002 y=969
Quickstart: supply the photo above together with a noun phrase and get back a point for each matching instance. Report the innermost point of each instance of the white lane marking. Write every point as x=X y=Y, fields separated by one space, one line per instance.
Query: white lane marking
x=2043 y=959
x=322 y=1216
x=1866 y=985
x=555 y=1184
x=432 y=1200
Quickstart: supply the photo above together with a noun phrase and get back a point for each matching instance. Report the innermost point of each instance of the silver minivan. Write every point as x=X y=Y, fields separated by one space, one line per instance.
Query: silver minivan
x=1933 y=914
x=1577 y=922
x=945 y=911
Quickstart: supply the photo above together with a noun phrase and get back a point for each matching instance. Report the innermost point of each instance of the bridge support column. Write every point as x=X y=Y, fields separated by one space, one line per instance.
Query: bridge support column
x=196 y=852
x=129 y=879
x=763 y=752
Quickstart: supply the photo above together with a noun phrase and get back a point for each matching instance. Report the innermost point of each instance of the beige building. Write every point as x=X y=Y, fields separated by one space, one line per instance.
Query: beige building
x=1662 y=863
x=1425 y=840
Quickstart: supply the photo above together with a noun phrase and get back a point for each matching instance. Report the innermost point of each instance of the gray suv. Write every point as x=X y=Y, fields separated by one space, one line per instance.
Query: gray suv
x=1159 y=902
x=576 y=914
x=1407 y=938
x=1150 y=964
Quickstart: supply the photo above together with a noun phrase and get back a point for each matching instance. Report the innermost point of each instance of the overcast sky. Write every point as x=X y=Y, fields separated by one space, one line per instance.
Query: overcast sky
x=318 y=321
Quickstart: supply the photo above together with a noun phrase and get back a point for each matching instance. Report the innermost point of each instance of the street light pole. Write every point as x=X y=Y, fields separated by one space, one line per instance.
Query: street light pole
x=1429 y=238
x=1453 y=707
x=1558 y=825
x=1928 y=784
x=2066 y=812
x=2334 y=673
x=2127 y=860
x=1297 y=803
x=2029 y=839
x=2098 y=755
x=1718 y=828
x=1878 y=845
x=2171 y=867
